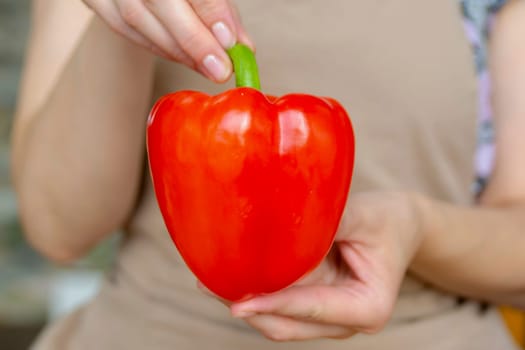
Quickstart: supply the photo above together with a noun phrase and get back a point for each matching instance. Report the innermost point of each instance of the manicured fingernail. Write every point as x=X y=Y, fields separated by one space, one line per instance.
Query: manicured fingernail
x=223 y=34
x=216 y=68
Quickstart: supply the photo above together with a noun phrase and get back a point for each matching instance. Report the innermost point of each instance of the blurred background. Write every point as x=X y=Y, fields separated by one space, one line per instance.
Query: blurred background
x=33 y=291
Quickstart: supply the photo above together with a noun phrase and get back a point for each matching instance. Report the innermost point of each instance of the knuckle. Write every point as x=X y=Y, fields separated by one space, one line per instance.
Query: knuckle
x=278 y=331
x=152 y=47
x=315 y=314
x=118 y=27
x=207 y=4
x=88 y=4
x=192 y=43
x=180 y=57
x=209 y=8
x=150 y=3
x=177 y=57
x=374 y=329
x=277 y=336
x=131 y=13
x=317 y=310
x=380 y=315
x=175 y=53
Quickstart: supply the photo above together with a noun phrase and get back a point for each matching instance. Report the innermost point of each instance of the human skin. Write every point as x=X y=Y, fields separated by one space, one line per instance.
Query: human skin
x=74 y=59
x=192 y=32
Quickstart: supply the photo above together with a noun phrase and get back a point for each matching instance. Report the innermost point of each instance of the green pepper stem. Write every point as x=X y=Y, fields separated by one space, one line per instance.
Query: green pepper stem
x=244 y=66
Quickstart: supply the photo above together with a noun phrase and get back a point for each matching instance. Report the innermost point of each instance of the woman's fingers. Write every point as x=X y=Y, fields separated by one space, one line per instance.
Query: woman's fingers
x=193 y=32
x=242 y=36
x=217 y=15
x=281 y=328
x=138 y=17
x=194 y=37
x=347 y=306
x=109 y=12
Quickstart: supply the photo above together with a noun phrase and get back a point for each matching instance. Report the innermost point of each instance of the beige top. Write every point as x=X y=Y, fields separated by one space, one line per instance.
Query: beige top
x=404 y=71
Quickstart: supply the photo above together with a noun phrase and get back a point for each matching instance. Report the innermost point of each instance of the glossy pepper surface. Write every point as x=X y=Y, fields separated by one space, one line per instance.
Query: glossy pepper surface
x=251 y=187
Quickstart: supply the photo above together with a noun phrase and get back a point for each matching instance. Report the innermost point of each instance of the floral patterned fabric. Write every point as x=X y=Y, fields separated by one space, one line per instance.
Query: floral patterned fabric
x=477 y=19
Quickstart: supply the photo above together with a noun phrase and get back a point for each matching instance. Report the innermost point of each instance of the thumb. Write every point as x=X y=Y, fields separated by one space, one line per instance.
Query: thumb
x=349 y=222
x=242 y=36
x=219 y=17
x=341 y=305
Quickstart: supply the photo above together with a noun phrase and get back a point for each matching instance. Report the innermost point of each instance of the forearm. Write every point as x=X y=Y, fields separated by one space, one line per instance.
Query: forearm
x=473 y=251
x=480 y=251
x=77 y=160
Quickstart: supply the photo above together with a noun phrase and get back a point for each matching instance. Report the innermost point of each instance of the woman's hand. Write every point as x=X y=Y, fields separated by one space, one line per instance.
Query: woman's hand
x=192 y=32
x=356 y=286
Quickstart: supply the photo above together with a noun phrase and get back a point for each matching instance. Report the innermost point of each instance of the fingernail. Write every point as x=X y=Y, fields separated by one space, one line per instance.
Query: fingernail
x=216 y=68
x=223 y=34
x=243 y=313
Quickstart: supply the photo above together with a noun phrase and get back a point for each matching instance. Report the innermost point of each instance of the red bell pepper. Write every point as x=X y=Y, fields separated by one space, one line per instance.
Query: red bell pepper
x=251 y=187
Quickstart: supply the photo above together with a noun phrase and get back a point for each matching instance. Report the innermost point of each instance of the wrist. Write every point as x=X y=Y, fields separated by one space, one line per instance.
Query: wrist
x=418 y=204
x=425 y=209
